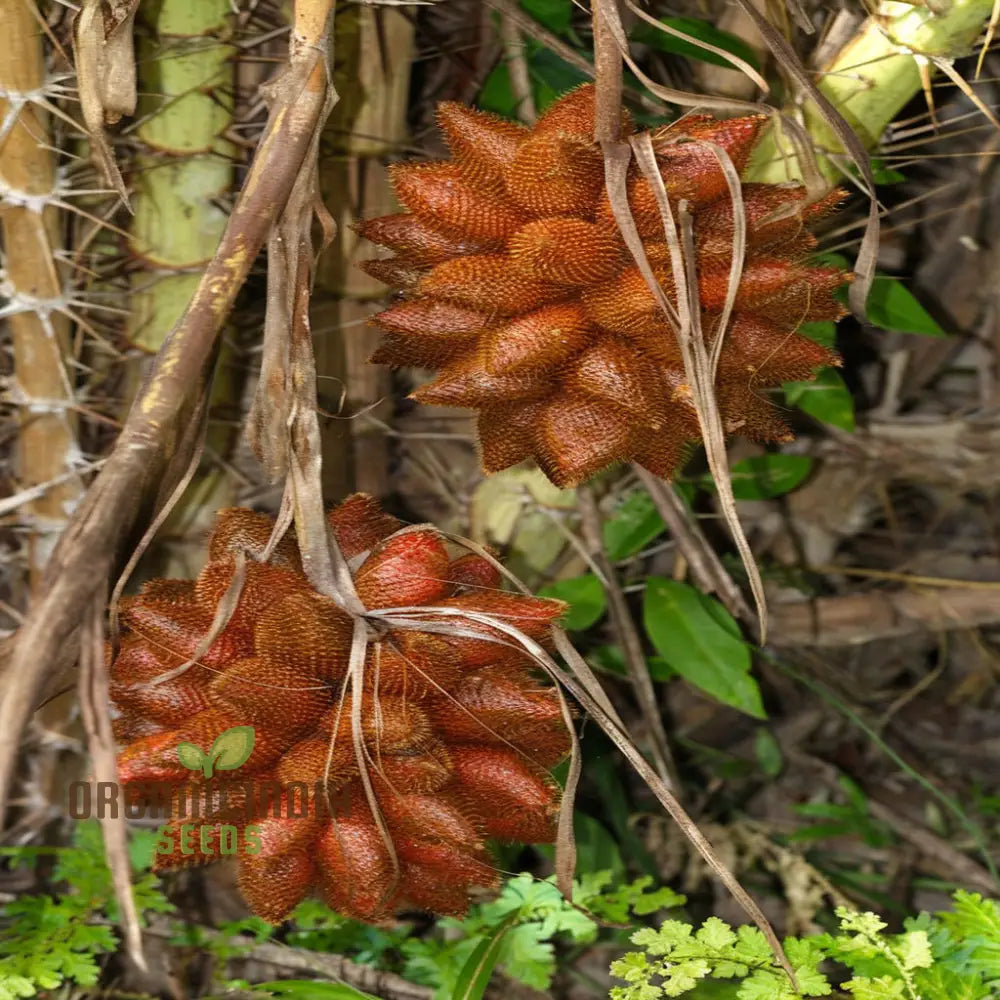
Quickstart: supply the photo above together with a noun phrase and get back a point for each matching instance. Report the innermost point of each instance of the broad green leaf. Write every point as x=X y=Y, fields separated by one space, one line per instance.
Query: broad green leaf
x=478 y=968
x=231 y=748
x=550 y=78
x=632 y=526
x=556 y=15
x=496 y=93
x=585 y=597
x=767 y=750
x=191 y=756
x=693 y=640
x=762 y=477
x=823 y=333
x=703 y=31
x=892 y=306
x=309 y=989
x=596 y=848
x=826 y=398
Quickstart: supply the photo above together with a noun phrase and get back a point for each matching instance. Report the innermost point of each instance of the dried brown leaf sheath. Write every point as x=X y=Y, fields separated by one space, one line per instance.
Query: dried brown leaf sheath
x=519 y=289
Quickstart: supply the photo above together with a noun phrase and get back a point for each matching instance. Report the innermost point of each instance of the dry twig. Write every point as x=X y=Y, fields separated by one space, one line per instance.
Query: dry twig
x=631 y=641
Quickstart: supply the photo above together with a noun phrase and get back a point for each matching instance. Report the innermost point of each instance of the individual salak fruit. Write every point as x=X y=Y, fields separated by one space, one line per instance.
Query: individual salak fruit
x=455 y=732
x=519 y=289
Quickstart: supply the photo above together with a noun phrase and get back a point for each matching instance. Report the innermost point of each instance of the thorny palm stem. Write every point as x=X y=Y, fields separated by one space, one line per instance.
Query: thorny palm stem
x=34 y=283
x=182 y=176
x=870 y=79
x=155 y=445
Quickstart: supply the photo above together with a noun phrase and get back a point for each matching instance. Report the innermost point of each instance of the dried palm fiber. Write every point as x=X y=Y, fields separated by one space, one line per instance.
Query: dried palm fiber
x=373 y=52
x=455 y=733
x=519 y=289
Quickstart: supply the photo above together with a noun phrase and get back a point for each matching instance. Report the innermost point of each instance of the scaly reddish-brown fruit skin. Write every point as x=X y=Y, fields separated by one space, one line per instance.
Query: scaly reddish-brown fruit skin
x=456 y=731
x=519 y=289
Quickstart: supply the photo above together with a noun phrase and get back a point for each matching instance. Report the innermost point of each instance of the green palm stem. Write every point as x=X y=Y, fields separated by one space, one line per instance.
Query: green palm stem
x=871 y=79
x=181 y=178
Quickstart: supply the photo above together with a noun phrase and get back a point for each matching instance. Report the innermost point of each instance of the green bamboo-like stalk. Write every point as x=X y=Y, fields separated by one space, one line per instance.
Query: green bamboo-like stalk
x=181 y=178
x=33 y=283
x=185 y=166
x=875 y=74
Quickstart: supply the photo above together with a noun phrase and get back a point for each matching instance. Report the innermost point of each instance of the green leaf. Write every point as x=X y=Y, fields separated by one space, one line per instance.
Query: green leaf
x=191 y=756
x=762 y=477
x=715 y=933
x=826 y=398
x=703 y=31
x=632 y=527
x=867 y=923
x=883 y=988
x=310 y=989
x=596 y=848
x=556 y=15
x=892 y=306
x=765 y=985
x=231 y=749
x=914 y=950
x=701 y=644
x=478 y=968
x=550 y=78
x=823 y=333
x=938 y=983
x=767 y=750
x=550 y=75
x=585 y=597
x=884 y=174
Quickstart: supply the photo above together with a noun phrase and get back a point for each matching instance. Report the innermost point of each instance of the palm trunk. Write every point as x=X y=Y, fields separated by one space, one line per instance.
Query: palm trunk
x=182 y=178
x=34 y=280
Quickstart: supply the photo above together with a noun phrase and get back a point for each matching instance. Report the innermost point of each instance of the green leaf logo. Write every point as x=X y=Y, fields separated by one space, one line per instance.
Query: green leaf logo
x=230 y=750
x=191 y=756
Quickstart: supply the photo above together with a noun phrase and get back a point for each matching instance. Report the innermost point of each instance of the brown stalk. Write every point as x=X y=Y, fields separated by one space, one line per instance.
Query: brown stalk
x=610 y=49
x=629 y=639
x=30 y=224
x=106 y=78
x=94 y=701
x=145 y=461
x=608 y=74
x=706 y=567
x=517 y=65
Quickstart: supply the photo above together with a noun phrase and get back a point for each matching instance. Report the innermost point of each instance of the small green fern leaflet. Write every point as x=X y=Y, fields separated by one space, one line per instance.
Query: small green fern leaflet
x=951 y=956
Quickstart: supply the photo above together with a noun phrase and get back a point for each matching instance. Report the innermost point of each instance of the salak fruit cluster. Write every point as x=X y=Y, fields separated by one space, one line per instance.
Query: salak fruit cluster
x=454 y=734
x=519 y=288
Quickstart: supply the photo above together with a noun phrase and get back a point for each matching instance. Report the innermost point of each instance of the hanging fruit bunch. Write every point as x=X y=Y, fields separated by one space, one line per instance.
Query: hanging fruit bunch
x=519 y=289
x=452 y=740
